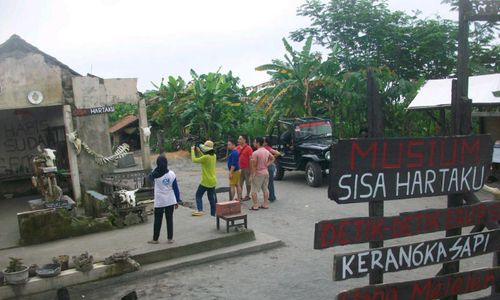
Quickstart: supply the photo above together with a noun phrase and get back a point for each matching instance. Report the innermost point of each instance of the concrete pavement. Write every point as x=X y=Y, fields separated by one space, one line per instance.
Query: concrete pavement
x=295 y=271
x=196 y=241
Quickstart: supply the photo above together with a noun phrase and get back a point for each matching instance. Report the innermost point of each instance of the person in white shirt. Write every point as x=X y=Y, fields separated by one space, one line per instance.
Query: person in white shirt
x=166 y=198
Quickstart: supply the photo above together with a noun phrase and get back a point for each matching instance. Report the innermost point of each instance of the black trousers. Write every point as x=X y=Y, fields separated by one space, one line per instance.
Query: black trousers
x=169 y=216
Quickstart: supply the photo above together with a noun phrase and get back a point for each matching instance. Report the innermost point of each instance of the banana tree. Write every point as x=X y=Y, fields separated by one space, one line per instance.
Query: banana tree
x=293 y=80
x=212 y=104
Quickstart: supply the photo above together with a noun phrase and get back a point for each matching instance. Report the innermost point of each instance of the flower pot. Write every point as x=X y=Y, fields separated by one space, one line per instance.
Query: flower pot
x=63 y=260
x=19 y=277
x=49 y=270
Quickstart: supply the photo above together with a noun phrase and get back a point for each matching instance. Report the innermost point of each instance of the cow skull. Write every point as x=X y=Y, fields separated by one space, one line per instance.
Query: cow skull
x=127 y=196
x=50 y=157
x=146 y=131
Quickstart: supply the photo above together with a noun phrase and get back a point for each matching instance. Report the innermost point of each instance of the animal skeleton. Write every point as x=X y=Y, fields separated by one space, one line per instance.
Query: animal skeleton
x=73 y=138
x=127 y=196
x=100 y=159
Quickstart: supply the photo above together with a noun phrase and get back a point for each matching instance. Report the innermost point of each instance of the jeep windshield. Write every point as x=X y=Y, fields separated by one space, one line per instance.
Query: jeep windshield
x=313 y=129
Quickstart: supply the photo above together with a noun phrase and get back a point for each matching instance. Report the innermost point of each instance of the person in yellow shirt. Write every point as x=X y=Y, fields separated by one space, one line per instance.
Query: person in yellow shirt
x=205 y=155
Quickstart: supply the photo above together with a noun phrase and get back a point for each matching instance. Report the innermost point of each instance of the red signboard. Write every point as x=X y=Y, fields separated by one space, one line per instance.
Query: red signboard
x=331 y=233
x=365 y=170
x=426 y=289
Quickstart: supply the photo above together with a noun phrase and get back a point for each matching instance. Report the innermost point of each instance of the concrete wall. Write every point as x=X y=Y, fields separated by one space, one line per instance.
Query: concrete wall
x=22 y=74
x=93 y=130
x=24 y=69
x=121 y=90
x=21 y=131
x=92 y=92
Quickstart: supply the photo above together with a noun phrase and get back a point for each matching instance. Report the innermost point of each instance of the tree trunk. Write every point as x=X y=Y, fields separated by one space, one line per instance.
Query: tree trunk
x=307 y=101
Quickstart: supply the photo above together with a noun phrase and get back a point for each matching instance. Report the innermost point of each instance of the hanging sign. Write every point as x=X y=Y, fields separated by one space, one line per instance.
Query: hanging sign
x=80 y=112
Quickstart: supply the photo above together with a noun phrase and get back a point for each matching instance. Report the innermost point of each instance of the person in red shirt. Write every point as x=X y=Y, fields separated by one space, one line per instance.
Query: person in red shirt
x=245 y=153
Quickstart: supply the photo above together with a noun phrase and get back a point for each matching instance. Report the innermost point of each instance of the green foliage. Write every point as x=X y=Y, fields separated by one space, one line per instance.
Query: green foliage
x=122 y=110
x=292 y=80
x=15 y=265
x=403 y=50
x=209 y=106
x=369 y=34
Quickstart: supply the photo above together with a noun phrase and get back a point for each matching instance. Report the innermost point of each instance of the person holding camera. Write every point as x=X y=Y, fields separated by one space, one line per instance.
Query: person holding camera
x=205 y=155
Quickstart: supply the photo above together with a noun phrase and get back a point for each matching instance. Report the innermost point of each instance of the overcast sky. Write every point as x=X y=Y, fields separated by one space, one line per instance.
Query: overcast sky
x=153 y=39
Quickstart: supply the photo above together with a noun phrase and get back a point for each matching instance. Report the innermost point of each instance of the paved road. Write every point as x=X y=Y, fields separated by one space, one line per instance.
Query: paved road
x=295 y=271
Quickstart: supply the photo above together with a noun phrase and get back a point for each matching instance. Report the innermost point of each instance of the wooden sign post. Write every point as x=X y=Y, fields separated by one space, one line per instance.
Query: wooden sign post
x=375 y=129
x=375 y=170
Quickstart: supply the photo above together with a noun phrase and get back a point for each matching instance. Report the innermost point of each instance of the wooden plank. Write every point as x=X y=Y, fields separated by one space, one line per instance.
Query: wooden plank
x=486 y=114
x=365 y=170
x=416 y=255
x=338 y=232
x=430 y=288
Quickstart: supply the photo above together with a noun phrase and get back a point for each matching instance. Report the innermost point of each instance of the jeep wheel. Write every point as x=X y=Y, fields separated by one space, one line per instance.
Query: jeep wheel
x=279 y=173
x=314 y=174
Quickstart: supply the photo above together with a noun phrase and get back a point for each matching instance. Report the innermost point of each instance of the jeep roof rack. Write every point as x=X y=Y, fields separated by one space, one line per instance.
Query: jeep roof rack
x=290 y=121
x=305 y=119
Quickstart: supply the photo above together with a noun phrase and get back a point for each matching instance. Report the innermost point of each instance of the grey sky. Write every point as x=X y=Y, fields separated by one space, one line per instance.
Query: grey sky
x=153 y=39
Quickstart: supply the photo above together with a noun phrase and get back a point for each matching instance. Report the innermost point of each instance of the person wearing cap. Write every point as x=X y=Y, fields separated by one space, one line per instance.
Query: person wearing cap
x=205 y=155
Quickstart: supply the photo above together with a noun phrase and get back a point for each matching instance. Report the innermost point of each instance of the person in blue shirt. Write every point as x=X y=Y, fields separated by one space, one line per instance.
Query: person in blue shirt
x=166 y=198
x=233 y=166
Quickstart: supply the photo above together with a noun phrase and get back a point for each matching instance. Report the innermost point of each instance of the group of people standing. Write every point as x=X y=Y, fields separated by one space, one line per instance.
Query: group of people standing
x=249 y=167
x=253 y=168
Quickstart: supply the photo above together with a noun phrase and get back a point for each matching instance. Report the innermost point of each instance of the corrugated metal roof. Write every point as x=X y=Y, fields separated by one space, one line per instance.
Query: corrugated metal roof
x=124 y=122
x=437 y=93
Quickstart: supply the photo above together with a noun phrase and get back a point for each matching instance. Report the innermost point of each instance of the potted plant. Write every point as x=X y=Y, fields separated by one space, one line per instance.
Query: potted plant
x=63 y=260
x=16 y=273
x=84 y=262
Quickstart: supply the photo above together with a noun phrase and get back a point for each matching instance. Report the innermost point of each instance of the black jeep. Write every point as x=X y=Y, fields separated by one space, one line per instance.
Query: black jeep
x=305 y=145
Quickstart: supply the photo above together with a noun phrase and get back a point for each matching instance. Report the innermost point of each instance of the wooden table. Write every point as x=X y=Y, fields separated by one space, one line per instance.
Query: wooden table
x=230 y=220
